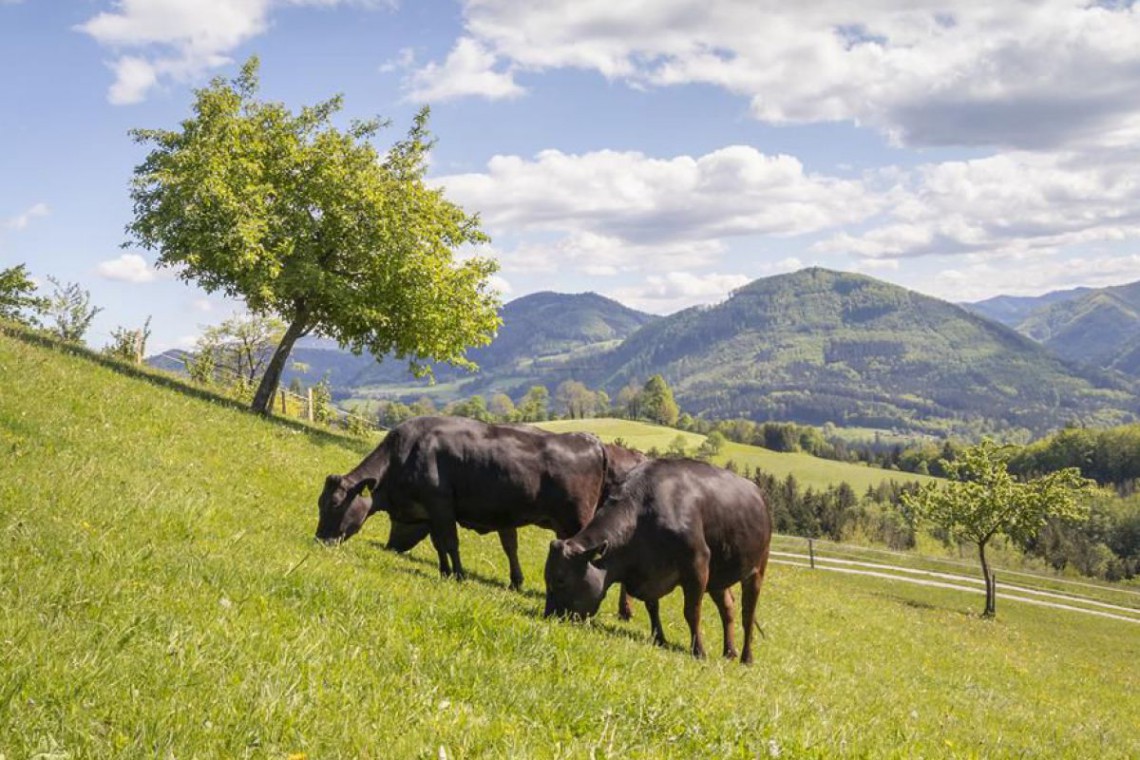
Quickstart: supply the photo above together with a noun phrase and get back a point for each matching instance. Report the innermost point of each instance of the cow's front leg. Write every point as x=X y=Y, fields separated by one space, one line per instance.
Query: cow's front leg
x=653 y=607
x=445 y=539
x=509 y=538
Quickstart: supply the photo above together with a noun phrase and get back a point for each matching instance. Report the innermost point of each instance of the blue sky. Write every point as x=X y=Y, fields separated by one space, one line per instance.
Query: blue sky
x=662 y=153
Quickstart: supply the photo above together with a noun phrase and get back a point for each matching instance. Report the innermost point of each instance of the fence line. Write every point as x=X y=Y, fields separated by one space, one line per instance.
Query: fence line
x=306 y=402
x=855 y=549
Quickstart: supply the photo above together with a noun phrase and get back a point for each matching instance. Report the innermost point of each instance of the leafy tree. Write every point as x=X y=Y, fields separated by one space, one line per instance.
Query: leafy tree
x=657 y=402
x=239 y=349
x=712 y=445
x=308 y=222
x=983 y=500
x=574 y=399
x=677 y=447
x=629 y=401
x=534 y=404
x=322 y=401
x=502 y=407
x=17 y=303
x=71 y=310
x=423 y=406
x=129 y=345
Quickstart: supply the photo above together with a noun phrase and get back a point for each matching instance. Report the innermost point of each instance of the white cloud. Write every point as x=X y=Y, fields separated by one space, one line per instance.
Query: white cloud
x=130 y=267
x=672 y=291
x=179 y=40
x=926 y=72
x=610 y=210
x=974 y=281
x=468 y=70
x=1018 y=203
x=22 y=220
x=203 y=305
x=500 y=284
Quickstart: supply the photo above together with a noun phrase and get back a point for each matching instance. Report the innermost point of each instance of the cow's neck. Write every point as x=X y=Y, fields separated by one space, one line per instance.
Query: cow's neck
x=370 y=469
x=612 y=525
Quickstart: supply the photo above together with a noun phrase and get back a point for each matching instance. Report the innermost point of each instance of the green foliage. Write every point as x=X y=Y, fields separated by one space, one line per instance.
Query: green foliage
x=657 y=404
x=70 y=310
x=306 y=221
x=239 y=349
x=533 y=406
x=983 y=500
x=129 y=345
x=322 y=401
x=17 y=302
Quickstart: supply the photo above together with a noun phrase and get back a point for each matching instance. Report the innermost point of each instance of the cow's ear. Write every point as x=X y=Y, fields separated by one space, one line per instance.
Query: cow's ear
x=332 y=482
x=596 y=553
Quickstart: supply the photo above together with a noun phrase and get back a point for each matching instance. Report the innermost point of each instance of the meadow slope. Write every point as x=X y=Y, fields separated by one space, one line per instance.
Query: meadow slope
x=162 y=597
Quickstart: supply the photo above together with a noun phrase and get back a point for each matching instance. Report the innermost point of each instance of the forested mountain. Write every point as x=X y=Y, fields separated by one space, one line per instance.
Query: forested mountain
x=539 y=331
x=1012 y=310
x=1100 y=328
x=817 y=346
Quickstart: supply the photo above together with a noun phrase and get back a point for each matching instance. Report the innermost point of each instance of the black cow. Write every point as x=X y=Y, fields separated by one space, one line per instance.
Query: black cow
x=431 y=474
x=671 y=522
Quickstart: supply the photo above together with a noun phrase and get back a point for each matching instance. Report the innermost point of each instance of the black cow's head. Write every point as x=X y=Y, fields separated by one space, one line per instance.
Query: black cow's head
x=575 y=584
x=343 y=509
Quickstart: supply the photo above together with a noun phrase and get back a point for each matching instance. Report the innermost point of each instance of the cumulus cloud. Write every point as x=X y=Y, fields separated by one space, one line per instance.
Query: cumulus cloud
x=672 y=291
x=977 y=280
x=179 y=40
x=607 y=200
x=1011 y=204
x=22 y=220
x=468 y=70
x=951 y=72
x=130 y=267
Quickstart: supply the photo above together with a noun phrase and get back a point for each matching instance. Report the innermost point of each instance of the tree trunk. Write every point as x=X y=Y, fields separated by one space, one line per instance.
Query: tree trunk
x=268 y=387
x=991 y=585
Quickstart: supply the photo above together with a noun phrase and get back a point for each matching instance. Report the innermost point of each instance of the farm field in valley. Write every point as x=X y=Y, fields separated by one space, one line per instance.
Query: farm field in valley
x=162 y=595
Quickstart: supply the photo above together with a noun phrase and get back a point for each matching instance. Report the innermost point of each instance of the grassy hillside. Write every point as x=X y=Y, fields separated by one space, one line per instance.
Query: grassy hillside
x=808 y=470
x=162 y=596
x=816 y=346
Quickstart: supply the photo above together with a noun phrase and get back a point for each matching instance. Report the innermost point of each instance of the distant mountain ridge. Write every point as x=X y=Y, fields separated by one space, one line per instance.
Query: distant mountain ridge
x=817 y=346
x=813 y=346
x=1012 y=310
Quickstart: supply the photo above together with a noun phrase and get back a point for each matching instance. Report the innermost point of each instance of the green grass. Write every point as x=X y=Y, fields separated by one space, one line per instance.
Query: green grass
x=808 y=470
x=161 y=596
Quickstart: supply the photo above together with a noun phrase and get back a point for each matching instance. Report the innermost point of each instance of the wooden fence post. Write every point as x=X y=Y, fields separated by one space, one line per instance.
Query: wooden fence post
x=811 y=553
x=284 y=409
x=310 y=404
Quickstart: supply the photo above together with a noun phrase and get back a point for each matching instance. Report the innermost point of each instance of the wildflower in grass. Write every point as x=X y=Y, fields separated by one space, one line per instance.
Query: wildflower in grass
x=773 y=748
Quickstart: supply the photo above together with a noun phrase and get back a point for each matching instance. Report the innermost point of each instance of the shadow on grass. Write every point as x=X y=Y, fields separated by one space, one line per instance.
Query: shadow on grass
x=919 y=604
x=178 y=384
x=424 y=568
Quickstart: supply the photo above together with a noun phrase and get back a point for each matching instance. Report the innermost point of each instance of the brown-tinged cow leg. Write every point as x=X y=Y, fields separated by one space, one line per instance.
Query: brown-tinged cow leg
x=655 y=629
x=509 y=538
x=625 y=609
x=750 y=593
x=724 y=605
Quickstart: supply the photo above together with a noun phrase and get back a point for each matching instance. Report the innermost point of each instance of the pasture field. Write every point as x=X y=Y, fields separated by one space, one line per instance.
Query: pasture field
x=808 y=470
x=161 y=596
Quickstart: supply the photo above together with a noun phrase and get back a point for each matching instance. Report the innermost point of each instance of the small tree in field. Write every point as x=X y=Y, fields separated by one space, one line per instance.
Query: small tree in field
x=308 y=222
x=70 y=309
x=983 y=500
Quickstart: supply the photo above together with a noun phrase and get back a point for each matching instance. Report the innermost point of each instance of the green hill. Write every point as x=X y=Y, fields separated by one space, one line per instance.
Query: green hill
x=820 y=346
x=162 y=596
x=1100 y=328
x=541 y=334
x=1012 y=310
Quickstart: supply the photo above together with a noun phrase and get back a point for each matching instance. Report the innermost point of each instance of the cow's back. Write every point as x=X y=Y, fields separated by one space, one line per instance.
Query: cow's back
x=497 y=476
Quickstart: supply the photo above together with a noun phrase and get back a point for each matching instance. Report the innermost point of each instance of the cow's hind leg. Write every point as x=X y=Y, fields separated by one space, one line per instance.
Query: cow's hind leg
x=655 y=629
x=724 y=605
x=693 y=587
x=749 y=594
x=625 y=609
x=509 y=538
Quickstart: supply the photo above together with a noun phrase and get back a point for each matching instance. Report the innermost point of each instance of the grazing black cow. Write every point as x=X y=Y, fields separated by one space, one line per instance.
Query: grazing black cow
x=671 y=522
x=431 y=474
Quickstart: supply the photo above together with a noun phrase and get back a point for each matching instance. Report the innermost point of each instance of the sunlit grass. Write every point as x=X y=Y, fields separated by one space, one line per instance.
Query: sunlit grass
x=161 y=595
